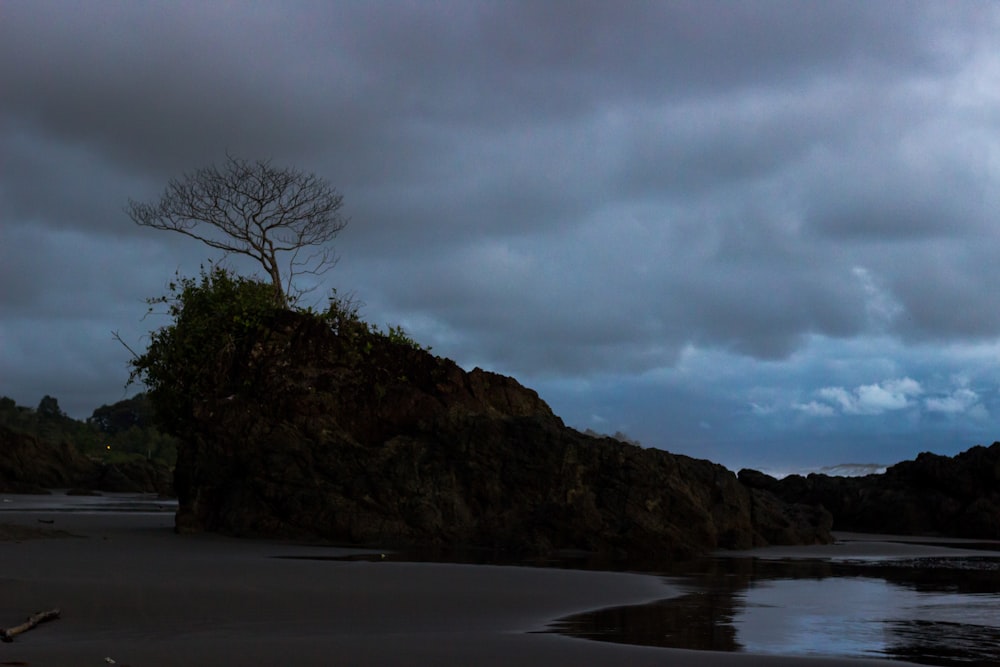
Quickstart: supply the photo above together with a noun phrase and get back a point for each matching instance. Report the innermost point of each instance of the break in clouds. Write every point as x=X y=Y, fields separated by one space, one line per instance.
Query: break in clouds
x=750 y=231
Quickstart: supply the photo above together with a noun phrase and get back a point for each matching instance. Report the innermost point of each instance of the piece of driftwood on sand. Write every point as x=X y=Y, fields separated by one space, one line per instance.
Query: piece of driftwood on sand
x=8 y=634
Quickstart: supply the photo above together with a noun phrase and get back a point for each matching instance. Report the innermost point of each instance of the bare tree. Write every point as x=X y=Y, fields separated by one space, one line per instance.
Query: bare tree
x=272 y=215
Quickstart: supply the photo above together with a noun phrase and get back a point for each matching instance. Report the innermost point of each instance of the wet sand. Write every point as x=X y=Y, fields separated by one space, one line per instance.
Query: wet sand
x=131 y=590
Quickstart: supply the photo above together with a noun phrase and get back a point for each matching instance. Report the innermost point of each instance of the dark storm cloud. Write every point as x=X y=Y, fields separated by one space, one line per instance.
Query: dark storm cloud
x=153 y=85
x=58 y=185
x=946 y=293
x=124 y=78
x=568 y=57
x=560 y=190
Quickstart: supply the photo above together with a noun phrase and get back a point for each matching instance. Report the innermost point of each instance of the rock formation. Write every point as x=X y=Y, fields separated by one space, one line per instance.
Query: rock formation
x=31 y=465
x=28 y=465
x=311 y=435
x=932 y=495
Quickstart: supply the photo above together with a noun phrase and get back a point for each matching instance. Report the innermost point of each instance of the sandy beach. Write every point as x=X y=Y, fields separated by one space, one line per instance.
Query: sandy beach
x=131 y=590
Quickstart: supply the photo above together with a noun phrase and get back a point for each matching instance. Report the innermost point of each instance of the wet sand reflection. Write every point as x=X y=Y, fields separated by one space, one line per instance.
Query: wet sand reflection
x=930 y=611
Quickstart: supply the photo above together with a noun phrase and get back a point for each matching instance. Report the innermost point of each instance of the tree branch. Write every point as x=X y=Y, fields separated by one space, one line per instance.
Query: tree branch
x=259 y=211
x=8 y=634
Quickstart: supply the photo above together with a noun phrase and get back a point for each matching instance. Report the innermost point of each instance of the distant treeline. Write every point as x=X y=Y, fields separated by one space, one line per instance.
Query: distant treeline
x=122 y=431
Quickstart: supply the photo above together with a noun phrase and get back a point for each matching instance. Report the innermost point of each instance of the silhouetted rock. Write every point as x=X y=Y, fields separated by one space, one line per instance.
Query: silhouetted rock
x=933 y=495
x=307 y=436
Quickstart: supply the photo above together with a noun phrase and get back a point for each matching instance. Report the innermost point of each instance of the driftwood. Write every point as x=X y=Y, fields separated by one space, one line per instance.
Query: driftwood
x=8 y=634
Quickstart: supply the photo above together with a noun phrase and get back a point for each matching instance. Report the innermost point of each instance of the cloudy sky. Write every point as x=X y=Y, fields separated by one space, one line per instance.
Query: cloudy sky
x=763 y=233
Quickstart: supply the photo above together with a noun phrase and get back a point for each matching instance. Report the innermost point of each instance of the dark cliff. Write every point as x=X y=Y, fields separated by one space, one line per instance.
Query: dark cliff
x=307 y=433
x=932 y=495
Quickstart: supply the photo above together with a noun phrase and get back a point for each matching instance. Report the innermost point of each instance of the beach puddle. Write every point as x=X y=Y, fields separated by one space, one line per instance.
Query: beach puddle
x=935 y=612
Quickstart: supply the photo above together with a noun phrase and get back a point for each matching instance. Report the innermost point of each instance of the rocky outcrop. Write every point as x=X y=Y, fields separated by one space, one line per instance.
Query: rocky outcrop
x=31 y=465
x=133 y=476
x=311 y=435
x=932 y=495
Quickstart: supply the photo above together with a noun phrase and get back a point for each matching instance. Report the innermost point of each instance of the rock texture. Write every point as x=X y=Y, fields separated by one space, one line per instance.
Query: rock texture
x=28 y=465
x=306 y=436
x=31 y=465
x=932 y=495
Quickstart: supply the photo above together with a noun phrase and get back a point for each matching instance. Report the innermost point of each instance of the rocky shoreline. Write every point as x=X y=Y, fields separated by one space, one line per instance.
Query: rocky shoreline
x=31 y=465
x=346 y=435
x=304 y=436
x=932 y=495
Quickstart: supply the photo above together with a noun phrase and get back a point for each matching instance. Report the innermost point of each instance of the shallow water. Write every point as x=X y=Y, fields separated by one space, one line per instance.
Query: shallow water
x=932 y=611
x=60 y=501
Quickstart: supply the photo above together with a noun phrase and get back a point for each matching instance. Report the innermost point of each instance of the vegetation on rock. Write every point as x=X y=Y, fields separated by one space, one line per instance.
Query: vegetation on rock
x=222 y=323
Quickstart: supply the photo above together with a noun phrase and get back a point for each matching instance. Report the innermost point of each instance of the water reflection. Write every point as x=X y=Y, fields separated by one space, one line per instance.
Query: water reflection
x=939 y=612
x=62 y=501
x=701 y=620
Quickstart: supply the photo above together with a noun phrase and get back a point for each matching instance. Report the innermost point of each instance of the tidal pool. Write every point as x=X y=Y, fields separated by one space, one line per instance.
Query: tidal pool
x=930 y=611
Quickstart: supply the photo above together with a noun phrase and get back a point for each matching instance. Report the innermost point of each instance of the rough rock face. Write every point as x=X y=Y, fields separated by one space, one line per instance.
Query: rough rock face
x=933 y=495
x=398 y=447
x=30 y=465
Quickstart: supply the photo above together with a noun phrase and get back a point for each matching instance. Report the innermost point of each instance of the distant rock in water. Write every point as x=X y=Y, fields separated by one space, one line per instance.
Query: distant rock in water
x=933 y=495
x=306 y=436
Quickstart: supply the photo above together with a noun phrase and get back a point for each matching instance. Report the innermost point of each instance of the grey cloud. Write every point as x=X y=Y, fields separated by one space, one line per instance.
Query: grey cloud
x=166 y=86
x=960 y=401
x=887 y=193
x=583 y=51
x=71 y=273
x=768 y=316
x=58 y=185
x=948 y=298
x=42 y=356
x=562 y=190
x=124 y=77
x=636 y=286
